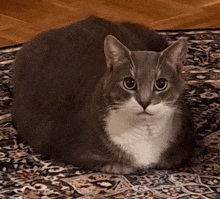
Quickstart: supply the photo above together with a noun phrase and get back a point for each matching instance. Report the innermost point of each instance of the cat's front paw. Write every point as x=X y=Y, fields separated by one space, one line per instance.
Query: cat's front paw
x=172 y=160
x=117 y=169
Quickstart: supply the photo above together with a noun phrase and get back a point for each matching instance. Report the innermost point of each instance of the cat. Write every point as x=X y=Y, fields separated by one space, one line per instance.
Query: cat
x=105 y=96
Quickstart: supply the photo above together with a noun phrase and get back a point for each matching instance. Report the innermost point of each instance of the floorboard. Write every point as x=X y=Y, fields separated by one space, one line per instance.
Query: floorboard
x=20 y=20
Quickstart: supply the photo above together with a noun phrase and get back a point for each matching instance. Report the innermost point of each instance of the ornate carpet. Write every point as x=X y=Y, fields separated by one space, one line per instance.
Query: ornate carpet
x=24 y=174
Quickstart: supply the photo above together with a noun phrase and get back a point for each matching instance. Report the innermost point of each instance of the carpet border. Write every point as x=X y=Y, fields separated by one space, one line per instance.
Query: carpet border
x=12 y=46
x=187 y=29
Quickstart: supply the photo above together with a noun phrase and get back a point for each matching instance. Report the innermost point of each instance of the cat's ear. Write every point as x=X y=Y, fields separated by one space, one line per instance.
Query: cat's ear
x=115 y=52
x=175 y=54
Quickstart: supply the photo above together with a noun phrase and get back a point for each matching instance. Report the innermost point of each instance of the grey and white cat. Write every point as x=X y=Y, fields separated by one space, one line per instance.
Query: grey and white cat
x=84 y=97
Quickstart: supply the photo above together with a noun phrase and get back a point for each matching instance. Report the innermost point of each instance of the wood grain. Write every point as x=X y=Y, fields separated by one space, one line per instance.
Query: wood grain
x=20 y=20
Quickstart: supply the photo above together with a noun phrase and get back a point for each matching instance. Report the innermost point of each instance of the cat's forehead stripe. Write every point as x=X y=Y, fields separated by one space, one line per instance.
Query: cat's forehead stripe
x=133 y=67
x=144 y=59
x=132 y=72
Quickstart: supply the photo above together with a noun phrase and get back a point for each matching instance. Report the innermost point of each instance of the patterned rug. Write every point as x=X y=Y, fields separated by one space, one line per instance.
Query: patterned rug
x=24 y=174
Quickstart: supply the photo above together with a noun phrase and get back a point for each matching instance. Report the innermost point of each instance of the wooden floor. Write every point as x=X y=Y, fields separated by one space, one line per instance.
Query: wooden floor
x=20 y=20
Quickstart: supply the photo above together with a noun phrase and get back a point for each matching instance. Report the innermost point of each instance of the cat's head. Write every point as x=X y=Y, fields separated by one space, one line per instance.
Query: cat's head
x=143 y=79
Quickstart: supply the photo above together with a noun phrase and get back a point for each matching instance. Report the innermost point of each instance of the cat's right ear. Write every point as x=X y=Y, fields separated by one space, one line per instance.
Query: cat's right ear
x=175 y=54
x=115 y=52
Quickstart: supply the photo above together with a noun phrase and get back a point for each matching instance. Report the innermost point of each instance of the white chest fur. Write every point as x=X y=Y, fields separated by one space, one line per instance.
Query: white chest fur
x=144 y=137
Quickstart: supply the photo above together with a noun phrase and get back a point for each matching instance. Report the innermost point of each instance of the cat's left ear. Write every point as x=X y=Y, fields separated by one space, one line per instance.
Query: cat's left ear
x=115 y=52
x=175 y=54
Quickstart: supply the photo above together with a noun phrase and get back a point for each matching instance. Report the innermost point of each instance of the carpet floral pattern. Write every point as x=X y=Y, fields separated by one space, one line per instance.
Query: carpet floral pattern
x=24 y=174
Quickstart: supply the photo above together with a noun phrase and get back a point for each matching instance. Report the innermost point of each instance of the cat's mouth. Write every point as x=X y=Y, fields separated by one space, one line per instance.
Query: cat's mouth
x=144 y=113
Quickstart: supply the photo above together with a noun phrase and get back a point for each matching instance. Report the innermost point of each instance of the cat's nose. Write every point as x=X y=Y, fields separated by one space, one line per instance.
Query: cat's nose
x=145 y=104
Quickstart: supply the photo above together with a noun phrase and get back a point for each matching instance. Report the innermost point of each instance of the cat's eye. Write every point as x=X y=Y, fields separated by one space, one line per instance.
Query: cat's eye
x=129 y=83
x=161 y=84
